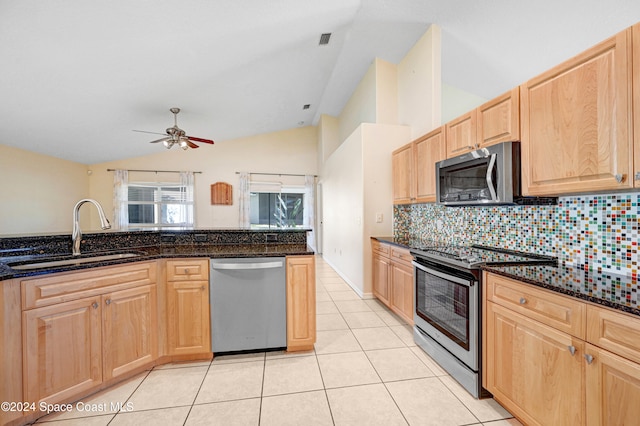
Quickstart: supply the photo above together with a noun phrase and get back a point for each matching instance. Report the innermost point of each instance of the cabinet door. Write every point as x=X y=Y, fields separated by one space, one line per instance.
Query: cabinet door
x=129 y=330
x=188 y=326
x=428 y=150
x=402 y=175
x=636 y=102
x=461 y=134
x=613 y=389
x=301 y=303
x=402 y=291
x=577 y=123
x=62 y=350
x=531 y=369
x=381 y=278
x=499 y=119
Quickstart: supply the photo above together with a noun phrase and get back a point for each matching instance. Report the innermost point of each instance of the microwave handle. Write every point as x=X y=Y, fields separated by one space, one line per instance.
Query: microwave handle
x=492 y=190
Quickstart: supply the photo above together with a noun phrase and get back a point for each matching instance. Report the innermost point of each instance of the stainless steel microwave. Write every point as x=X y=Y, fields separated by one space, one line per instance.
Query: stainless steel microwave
x=487 y=176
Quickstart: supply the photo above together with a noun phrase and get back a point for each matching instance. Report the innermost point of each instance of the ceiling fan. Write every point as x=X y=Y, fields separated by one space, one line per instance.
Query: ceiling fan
x=177 y=136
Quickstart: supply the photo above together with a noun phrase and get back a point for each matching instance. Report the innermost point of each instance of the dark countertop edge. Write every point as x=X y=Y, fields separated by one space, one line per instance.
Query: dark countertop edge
x=6 y=273
x=539 y=284
x=392 y=241
x=153 y=230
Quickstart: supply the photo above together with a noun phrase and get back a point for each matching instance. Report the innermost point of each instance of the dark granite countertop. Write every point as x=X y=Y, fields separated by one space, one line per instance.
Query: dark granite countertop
x=617 y=291
x=152 y=253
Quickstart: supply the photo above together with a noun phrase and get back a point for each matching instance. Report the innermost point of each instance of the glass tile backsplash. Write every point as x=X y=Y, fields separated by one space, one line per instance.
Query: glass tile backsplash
x=590 y=231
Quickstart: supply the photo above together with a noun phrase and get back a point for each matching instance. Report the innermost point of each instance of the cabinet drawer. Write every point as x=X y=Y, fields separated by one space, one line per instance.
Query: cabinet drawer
x=562 y=313
x=57 y=288
x=188 y=270
x=401 y=255
x=614 y=331
x=380 y=248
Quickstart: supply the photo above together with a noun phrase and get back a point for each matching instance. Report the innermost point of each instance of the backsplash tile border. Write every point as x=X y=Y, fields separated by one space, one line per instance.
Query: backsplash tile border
x=590 y=231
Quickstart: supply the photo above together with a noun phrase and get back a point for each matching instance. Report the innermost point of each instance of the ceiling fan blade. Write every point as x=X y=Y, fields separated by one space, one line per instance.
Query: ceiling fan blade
x=192 y=145
x=152 y=133
x=200 y=140
x=161 y=140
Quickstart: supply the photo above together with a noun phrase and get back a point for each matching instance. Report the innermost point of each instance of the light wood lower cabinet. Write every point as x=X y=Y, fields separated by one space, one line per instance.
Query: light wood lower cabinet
x=392 y=278
x=551 y=372
x=188 y=324
x=129 y=330
x=98 y=332
x=301 y=303
x=532 y=371
x=62 y=349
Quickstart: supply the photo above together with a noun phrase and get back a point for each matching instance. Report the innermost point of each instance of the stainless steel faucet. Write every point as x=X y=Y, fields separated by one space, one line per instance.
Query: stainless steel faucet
x=77 y=234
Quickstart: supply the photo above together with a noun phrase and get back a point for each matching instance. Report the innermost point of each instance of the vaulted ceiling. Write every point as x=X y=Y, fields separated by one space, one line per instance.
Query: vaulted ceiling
x=78 y=76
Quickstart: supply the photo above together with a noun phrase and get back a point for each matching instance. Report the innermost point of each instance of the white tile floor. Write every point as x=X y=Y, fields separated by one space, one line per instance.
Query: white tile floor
x=365 y=370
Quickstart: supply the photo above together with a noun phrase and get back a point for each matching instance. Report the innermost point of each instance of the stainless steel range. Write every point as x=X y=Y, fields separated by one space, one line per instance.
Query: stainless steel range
x=447 y=288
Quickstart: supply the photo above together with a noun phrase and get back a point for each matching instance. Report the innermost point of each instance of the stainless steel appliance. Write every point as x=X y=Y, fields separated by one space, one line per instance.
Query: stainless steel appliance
x=248 y=304
x=447 y=288
x=487 y=176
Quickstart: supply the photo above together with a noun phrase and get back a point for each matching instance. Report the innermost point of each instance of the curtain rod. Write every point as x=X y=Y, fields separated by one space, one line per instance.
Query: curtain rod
x=275 y=174
x=151 y=171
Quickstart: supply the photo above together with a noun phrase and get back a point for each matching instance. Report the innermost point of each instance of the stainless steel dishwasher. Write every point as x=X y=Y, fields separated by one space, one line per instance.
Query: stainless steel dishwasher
x=248 y=304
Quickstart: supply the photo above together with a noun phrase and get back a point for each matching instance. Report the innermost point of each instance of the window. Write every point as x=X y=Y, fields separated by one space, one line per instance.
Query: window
x=277 y=209
x=159 y=205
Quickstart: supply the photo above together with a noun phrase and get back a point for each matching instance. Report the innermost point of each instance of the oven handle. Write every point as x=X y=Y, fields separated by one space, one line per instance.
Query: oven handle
x=492 y=164
x=443 y=275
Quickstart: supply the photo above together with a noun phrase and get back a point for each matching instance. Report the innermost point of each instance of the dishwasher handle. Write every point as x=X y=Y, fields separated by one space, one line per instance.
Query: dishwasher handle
x=241 y=266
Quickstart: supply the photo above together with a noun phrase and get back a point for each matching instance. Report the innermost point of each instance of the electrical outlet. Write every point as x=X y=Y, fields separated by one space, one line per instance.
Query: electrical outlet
x=379 y=217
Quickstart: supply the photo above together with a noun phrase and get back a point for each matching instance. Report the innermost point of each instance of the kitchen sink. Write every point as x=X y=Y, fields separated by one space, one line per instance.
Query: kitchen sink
x=69 y=261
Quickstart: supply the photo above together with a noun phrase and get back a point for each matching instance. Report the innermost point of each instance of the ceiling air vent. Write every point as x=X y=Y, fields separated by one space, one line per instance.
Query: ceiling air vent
x=306 y=106
x=324 y=39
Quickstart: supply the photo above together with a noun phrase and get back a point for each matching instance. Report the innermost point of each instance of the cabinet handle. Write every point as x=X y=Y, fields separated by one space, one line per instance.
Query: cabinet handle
x=202 y=288
x=637 y=175
x=95 y=305
x=620 y=178
x=523 y=300
x=572 y=349
x=108 y=301
x=589 y=358
x=186 y=271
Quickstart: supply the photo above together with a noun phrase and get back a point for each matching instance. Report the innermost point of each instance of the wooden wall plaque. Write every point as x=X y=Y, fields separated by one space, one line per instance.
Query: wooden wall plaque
x=221 y=193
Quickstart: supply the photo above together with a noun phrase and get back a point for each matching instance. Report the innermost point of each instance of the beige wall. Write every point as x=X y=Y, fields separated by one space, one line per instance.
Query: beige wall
x=386 y=92
x=290 y=151
x=328 y=138
x=419 y=85
x=361 y=107
x=456 y=102
x=38 y=192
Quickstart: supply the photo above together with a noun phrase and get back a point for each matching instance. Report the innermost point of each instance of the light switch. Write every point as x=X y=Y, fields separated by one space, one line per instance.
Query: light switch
x=379 y=217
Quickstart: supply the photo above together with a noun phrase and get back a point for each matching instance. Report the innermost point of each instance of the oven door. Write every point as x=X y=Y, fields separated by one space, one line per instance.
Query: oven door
x=447 y=309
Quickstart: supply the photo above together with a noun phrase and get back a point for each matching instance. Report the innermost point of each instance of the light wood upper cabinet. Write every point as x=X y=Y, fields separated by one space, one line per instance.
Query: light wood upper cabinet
x=635 y=31
x=402 y=165
x=499 y=119
x=462 y=134
x=129 y=330
x=301 y=303
x=577 y=123
x=62 y=350
x=188 y=321
x=428 y=150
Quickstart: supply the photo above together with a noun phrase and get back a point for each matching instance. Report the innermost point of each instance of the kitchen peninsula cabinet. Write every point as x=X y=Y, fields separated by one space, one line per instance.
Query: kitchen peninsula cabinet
x=554 y=359
x=84 y=328
x=301 y=303
x=188 y=323
x=577 y=123
x=392 y=278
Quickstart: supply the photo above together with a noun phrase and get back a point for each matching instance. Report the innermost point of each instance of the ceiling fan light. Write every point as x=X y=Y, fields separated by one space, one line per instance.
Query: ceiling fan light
x=167 y=144
x=183 y=144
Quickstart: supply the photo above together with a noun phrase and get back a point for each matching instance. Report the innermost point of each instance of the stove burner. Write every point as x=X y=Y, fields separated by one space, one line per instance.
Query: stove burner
x=476 y=255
